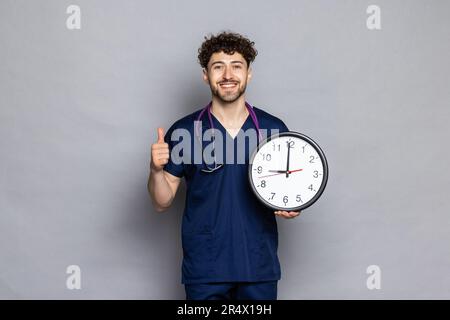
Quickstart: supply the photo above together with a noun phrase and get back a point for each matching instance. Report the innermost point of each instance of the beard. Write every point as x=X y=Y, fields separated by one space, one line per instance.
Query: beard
x=228 y=96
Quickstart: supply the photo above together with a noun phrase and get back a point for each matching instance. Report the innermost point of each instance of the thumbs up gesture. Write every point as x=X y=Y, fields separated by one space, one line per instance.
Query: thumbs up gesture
x=160 y=152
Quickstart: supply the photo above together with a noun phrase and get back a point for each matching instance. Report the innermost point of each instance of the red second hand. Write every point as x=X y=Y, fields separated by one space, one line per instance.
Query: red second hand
x=290 y=171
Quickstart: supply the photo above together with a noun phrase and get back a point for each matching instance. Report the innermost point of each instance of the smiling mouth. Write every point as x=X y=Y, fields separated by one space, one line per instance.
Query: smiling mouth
x=228 y=85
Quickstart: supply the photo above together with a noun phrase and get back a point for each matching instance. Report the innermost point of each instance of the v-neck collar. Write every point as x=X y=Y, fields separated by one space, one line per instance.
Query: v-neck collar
x=226 y=131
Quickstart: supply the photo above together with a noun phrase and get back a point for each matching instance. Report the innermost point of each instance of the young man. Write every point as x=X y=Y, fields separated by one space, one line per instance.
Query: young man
x=229 y=238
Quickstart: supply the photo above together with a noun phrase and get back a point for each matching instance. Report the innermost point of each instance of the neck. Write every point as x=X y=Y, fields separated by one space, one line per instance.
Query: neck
x=229 y=112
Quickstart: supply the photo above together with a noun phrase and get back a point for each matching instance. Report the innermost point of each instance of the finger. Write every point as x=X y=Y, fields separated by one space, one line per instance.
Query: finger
x=287 y=215
x=161 y=160
x=160 y=135
x=160 y=146
x=162 y=157
x=281 y=213
x=161 y=152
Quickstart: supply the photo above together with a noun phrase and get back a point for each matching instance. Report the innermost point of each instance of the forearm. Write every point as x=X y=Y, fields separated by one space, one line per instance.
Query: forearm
x=159 y=190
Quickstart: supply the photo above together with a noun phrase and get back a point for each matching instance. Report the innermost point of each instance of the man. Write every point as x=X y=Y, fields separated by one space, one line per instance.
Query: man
x=229 y=238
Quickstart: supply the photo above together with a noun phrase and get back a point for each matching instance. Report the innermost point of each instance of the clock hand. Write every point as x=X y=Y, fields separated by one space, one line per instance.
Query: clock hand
x=281 y=172
x=290 y=171
x=287 y=165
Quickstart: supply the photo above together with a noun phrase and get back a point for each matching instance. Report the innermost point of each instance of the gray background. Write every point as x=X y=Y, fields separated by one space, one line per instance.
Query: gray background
x=80 y=108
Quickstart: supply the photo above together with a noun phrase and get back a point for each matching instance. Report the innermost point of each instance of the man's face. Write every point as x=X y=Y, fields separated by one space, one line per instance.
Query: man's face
x=227 y=75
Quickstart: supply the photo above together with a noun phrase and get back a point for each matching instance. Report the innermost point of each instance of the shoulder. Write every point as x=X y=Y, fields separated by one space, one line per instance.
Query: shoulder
x=268 y=120
x=186 y=122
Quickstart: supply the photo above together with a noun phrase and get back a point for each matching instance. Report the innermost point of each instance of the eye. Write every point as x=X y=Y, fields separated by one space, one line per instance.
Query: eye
x=237 y=66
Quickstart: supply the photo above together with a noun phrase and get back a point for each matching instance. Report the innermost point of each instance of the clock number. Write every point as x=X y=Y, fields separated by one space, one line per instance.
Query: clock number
x=303 y=148
x=259 y=169
x=274 y=147
x=311 y=159
x=263 y=184
x=316 y=174
x=285 y=200
x=267 y=156
x=299 y=199
x=291 y=143
x=311 y=187
x=273 y=195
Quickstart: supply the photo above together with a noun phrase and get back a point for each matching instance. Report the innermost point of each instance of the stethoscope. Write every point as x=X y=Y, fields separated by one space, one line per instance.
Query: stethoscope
x=207 y=109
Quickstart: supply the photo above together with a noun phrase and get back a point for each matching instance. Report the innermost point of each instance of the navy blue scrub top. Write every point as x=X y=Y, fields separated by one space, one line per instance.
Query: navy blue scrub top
x=227 y=234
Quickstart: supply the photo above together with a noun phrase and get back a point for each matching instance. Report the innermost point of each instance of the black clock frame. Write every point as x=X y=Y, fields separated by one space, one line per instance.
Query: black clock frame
x=319 y=152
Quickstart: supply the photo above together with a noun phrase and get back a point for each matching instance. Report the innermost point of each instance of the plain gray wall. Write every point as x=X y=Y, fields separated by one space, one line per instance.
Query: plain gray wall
x=80 y=108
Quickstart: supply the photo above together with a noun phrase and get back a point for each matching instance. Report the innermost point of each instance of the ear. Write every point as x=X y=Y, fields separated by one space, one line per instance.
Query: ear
x=249 y=74
x=205 y=76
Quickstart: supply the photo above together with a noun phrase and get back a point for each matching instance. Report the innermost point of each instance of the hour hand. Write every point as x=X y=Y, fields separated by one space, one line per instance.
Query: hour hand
x=278 y=171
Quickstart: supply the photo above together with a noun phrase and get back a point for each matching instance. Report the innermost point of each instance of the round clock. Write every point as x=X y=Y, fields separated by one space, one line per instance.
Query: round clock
x=288 y=171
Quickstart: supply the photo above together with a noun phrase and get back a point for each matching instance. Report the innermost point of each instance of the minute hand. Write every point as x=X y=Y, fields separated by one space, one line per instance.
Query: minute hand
x=287 y=165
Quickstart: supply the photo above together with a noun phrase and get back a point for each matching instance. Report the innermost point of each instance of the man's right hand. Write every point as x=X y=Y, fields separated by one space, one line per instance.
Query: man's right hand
x=160 y=152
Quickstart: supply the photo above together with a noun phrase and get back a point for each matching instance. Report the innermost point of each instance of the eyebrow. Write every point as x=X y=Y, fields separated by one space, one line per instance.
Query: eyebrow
x=234 y=61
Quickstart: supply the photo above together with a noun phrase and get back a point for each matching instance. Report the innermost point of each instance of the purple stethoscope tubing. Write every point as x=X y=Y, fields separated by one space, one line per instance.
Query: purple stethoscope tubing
x=208 y=109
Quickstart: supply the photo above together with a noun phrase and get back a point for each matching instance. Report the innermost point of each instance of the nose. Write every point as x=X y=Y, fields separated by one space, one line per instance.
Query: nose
x=227 y=74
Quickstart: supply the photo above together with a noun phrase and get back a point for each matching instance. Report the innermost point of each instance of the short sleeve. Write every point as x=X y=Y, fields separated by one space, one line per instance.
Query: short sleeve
x=283 y=127
x=175 y=165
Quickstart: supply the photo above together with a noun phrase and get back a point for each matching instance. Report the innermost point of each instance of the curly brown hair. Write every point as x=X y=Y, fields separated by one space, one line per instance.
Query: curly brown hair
x=228 y=42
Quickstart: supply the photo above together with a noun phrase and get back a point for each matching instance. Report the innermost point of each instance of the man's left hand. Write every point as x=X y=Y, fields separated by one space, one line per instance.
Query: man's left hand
x=287 y=214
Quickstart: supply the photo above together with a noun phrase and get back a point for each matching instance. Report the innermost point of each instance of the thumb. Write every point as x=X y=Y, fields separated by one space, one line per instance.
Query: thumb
x=160 y=135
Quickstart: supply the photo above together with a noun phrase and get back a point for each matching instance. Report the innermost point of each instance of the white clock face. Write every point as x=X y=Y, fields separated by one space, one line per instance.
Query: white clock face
x=288 y=172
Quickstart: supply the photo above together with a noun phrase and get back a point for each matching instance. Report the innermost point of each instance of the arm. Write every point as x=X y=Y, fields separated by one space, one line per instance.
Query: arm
x=162 y=186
